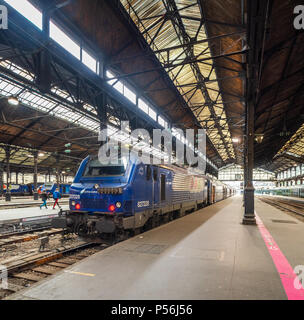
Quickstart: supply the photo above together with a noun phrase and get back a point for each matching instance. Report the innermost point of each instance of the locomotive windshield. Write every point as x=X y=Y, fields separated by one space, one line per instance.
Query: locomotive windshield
x=95 y=169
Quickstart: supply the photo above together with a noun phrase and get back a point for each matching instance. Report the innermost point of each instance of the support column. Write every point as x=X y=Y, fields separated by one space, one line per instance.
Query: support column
x=245 y=165
x=1 y=179
x=8 y=196
x=17 y=173
x=44 y=66
x=57 y=172
x=249 y=216
x=36 y=197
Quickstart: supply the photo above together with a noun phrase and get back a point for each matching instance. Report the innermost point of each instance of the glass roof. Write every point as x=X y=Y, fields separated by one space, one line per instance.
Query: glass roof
x=160 y=33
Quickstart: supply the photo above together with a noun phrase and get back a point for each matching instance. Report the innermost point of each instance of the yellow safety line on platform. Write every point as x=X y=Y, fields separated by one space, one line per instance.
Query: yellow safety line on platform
x=81 y=273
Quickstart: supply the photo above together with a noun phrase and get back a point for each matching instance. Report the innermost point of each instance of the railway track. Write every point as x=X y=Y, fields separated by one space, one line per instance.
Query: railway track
x=34 y=267
x=25 y=236
x=25 y=225
x=28 y=269
x=296 y=208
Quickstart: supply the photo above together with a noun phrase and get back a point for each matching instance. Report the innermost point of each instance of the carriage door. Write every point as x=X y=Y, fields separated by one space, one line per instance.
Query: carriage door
x=156 y=187
x=163 y=187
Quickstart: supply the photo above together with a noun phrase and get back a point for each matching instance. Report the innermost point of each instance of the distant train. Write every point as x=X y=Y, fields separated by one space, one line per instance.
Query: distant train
x=292 y=191
x=20 y=189
x=51 y=187
x=107 y=200
x=28 y=189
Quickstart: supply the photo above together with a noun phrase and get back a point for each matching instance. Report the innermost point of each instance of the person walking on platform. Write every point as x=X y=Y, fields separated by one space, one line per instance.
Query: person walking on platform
x=44 y=198
x=56 y=197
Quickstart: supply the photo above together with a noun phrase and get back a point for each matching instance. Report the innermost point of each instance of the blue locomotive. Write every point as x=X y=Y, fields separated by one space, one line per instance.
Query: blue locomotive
x=132 y=196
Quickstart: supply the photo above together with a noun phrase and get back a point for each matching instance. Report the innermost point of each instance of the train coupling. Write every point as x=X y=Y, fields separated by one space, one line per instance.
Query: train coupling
x=62 y=221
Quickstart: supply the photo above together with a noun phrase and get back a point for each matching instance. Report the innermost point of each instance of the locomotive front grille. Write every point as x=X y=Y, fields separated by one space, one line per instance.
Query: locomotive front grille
x=94 y=204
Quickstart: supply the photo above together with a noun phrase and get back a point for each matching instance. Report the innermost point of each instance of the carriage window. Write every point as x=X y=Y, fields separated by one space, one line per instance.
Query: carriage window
x=163 y=187
x=148 y=173
x=155 y=174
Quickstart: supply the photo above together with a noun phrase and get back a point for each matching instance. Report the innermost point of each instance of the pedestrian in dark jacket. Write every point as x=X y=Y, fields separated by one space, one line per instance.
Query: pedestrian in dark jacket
x=44 y=198
x=56 y=197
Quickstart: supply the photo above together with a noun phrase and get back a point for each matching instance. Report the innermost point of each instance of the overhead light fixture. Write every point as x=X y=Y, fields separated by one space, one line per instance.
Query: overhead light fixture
x=13 y=101
x=259 y=137
x=235 y=140
x=30 y=155
x=41 y=154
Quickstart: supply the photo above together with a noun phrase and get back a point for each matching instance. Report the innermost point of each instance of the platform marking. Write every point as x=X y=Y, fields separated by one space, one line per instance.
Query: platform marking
x=287 y=275
x=81 y=273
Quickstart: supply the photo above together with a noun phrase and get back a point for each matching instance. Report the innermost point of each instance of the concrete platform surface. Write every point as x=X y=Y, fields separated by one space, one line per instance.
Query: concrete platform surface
x=29 y=212
x=26 y=200
x=206 y=255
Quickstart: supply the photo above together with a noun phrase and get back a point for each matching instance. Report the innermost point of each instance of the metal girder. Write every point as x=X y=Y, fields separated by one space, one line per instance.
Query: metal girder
x=88 y=90
x=66 y=72
x=186 y=41
x=181 y=46
x=192 y=61
x=290 y=157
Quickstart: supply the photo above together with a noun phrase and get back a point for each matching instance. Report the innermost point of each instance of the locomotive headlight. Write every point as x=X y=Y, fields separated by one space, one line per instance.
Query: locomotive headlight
x=96 y=186
x=118 y=204
x=73 y=203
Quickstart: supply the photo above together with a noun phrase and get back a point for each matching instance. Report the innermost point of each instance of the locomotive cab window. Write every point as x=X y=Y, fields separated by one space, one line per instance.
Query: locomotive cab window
x=95 y=169
x=163 y=187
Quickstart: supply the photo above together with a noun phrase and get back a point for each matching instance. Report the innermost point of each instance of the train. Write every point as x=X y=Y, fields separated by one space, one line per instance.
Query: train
x=28 y=189
x=291 y=191
x=50 y=187
x=21 y=189
x=127 y=198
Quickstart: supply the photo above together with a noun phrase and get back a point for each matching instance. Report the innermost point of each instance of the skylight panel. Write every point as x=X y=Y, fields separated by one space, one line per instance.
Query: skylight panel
x=161 y=121
x=143 y=106
x=130 y=95
x=3 y=85
x=152 y=114
x=64 y=40
x=119 y=87
x=26 y=9
x=89 y=61
x=109 y=74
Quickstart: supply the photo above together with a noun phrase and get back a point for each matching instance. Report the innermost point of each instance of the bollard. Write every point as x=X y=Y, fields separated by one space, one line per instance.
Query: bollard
x=8 y=196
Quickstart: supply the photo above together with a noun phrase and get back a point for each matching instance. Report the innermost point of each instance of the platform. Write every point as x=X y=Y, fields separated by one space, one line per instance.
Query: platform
x=18 y=201
x=29 y=212
x=205 y=255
